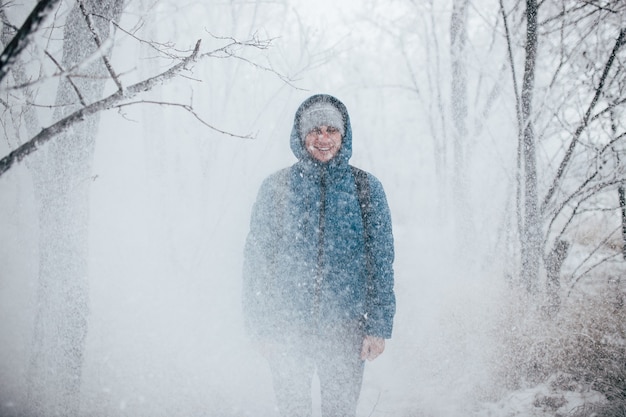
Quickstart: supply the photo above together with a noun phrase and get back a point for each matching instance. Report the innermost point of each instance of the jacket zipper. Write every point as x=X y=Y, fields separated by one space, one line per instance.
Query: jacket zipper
x=320 y=245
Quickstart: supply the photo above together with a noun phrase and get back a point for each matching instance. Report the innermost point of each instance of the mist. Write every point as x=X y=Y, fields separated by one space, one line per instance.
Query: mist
x=170 y=205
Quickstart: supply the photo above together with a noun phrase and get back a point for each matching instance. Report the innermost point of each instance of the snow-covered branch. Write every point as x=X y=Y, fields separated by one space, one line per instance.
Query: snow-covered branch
x=621 y=39
x=106 y=103
x=24 y=35
x=122 y=95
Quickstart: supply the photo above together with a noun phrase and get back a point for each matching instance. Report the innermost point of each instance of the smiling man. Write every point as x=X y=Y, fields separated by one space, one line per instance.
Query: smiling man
x=318 y=275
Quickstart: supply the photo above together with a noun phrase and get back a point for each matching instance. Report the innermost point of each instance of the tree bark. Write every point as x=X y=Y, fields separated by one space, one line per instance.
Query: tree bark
x=531 y=230
x=554 y=262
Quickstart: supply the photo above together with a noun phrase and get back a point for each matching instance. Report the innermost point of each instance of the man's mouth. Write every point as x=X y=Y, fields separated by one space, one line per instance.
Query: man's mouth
x=321 y=149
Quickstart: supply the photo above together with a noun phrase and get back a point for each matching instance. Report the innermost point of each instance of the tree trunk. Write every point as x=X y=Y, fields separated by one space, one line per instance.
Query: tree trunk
x=531 y=231
x=554 y=262
x=62 y=189
x=458 y=40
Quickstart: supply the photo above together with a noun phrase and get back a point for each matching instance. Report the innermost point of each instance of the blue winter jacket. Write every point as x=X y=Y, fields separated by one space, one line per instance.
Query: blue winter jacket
x=305 y=259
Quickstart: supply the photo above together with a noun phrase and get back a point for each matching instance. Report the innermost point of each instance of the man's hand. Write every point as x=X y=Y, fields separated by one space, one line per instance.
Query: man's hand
x=372 y=347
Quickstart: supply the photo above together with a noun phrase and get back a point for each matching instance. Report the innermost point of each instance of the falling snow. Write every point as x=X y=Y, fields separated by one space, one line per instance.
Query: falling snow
x=170 y=202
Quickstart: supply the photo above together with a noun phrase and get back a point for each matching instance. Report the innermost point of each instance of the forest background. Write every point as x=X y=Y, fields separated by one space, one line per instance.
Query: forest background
x=136 y=133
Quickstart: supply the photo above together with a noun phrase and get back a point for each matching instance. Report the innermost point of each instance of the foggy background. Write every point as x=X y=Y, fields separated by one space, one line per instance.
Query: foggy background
x=170 y=203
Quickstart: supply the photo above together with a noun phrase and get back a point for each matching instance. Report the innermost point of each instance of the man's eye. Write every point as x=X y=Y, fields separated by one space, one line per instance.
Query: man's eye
x=331 y=130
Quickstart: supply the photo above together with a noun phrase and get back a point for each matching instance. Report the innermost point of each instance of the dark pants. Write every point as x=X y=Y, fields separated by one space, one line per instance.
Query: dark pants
x=336 y=355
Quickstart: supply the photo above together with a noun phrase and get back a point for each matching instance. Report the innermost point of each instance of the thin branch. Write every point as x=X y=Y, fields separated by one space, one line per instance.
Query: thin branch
x=584 y=197
x=567 y=201
x=4 y=20
x=409 y=67
x=584 y=123
x=597 y=264
x=98 y=42
x=608 y=108
x=589 y=3
x=255 y=42
x=190 y=110
x=562 y=14
x=283 y=78
x=23 y=36
x=69 y=79
x=106 y=103
x=584 y=184
x=161 y=48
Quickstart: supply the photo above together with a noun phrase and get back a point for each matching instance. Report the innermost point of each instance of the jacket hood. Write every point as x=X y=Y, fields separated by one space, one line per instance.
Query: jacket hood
x=297 y=143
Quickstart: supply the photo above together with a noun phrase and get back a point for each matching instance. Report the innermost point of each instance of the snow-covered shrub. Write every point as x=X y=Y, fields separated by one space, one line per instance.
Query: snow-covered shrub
x=593 y=349
x=581 y=349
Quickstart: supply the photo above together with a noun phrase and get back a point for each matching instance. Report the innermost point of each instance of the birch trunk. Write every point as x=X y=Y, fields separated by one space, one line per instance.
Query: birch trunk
x=62 y=189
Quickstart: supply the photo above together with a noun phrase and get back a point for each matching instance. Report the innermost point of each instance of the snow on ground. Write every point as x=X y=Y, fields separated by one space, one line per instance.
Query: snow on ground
x=541 y=401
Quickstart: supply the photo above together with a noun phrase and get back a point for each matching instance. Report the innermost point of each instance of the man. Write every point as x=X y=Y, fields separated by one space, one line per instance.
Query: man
x=318 y=275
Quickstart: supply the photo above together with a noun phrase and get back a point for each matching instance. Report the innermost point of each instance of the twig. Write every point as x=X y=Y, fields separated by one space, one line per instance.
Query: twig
x=283 y=78
x=151 y=44
x=596 y=249
x=254 y=42
x=584 y=185
x=190 y=110
x=69 y=79
x=584 y=197
x=591 y=268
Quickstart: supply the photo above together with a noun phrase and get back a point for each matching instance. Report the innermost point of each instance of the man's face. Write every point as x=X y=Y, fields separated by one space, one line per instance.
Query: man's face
x=323 y=143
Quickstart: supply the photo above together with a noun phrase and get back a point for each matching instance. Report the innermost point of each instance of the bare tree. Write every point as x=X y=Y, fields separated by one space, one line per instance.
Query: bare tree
x=558 y=54
x=62 y=170
x=62 y=188
x=587 y=169
x=569 y=31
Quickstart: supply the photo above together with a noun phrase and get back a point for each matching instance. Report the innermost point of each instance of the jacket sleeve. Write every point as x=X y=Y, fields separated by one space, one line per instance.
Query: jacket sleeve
x=382 y=300
x=259 y=252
